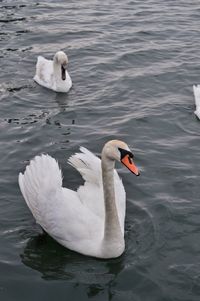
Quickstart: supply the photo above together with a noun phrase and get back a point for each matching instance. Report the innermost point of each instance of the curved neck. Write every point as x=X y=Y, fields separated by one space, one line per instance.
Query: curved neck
x=57 y=71
x=112 y=229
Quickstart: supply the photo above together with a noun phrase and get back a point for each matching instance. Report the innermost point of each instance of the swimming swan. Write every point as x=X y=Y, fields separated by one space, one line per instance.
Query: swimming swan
x=196 y=90
x=90 y=220
x=53 y=74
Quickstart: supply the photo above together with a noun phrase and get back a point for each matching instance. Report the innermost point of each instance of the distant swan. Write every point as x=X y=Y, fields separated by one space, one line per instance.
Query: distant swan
x=53 y=74
x=91 y=219
x=196 y=90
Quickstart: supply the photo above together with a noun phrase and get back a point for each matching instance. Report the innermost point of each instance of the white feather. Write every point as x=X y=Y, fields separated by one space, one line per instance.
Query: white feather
x=48 y=74
x=91 y=193
x=74 y=219
x=196 y=90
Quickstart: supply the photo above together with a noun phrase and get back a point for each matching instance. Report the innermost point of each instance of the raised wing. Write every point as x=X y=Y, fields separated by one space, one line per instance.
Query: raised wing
x=44 y=72
x=58 y=210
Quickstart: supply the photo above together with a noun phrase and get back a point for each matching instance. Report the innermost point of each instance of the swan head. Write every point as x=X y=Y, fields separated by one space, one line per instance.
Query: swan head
x=61 y=59
x=119 y=151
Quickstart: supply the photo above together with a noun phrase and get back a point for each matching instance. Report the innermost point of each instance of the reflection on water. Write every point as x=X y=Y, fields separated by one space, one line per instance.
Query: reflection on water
x=132 y=64
x=55 y=262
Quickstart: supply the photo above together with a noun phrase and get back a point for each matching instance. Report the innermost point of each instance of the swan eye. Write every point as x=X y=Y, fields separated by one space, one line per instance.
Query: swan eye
x=124 y=153
x=131 y=155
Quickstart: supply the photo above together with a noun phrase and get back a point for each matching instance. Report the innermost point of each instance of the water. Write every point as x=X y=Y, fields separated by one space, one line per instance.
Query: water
x=133 y=64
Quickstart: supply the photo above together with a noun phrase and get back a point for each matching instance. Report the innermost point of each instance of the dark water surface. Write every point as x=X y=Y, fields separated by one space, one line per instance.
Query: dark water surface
x=133 y=64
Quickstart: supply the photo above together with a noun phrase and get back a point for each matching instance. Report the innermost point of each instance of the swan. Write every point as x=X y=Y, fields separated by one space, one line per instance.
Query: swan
x=90 y=220
x=53 y=74
x=196 y=90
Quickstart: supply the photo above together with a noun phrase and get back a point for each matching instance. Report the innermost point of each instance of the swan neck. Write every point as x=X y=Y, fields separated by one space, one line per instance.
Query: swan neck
x=57 y=69
x=112 y=229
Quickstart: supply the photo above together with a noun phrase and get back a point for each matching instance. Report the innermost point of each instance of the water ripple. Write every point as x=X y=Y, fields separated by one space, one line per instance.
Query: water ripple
x=132 y=65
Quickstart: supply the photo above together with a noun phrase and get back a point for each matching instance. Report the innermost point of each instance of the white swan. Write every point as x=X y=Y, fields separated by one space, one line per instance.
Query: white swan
x=91 y=219
x=53 y=74
x=196 y=90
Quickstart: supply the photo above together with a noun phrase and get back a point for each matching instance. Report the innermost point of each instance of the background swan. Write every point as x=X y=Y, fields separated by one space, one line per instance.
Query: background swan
x=91 y=219
x=53 y=74
x=196 y=90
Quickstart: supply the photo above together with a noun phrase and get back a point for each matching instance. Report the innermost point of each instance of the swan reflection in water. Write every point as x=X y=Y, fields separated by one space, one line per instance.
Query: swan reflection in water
x=55 y=262
x=98 y=276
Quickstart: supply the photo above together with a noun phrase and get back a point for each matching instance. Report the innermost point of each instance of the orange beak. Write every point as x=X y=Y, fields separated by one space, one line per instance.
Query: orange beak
x=128 y=162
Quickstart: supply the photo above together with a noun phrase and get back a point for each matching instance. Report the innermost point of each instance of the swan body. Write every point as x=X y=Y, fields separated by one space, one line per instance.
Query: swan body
x=196 y=90
x=91 y=219
x=53 y=74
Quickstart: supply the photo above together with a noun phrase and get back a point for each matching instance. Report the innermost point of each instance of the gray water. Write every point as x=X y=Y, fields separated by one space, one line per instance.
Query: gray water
x=132 y=64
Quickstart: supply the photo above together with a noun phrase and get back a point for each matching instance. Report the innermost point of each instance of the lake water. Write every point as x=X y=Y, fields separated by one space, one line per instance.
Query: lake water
x=132 y=64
